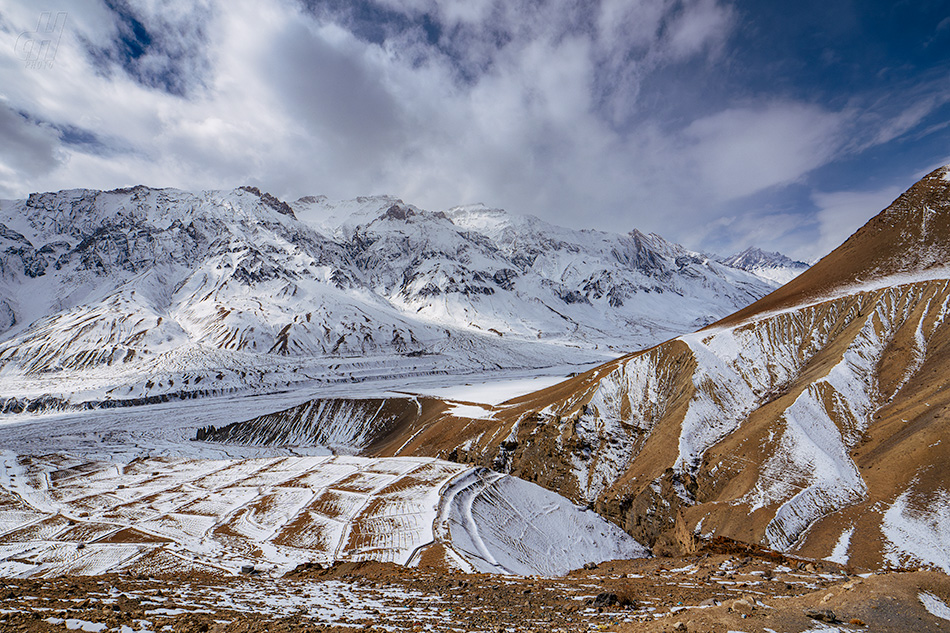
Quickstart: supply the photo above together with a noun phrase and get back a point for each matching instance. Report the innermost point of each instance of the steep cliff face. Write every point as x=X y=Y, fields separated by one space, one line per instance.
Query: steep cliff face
x=813 y=422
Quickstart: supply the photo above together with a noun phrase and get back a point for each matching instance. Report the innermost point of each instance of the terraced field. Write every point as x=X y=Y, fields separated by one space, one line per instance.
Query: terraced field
x=159 y=516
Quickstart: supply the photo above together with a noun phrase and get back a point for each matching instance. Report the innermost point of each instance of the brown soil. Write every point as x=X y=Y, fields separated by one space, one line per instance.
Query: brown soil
x=747 y=590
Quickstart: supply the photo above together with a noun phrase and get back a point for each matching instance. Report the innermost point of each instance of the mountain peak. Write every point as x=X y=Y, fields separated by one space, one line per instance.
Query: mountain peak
x=273 y=202
x=910 y=236
x=755 y=256
x=403 y=212
x=772 y=266
x=398 y=212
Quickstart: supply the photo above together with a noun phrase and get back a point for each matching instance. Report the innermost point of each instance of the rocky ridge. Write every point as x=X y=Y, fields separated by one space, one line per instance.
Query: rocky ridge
x=768 y=265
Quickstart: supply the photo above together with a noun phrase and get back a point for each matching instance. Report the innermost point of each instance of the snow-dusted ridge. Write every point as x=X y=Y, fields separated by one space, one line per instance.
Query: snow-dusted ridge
x=807 y=471
x=139 y=294
x=774 y=267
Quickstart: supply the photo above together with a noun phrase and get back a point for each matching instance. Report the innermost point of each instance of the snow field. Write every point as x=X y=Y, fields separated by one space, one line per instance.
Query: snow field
x=917 y=529
x=501 y=524
x=174 y=516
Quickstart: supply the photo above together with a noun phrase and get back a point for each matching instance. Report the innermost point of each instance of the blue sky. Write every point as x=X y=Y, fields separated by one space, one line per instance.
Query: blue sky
x=717 y=124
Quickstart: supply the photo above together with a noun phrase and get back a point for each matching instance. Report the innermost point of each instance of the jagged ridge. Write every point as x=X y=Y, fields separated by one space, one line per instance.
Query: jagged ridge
x=768 y=265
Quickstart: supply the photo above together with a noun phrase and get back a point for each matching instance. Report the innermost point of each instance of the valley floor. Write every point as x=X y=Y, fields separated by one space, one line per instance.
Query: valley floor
x=166 y=429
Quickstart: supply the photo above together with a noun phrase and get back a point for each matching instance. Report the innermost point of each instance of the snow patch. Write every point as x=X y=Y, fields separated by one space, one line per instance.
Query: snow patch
x=839 y=554
x=502 y=524
x=918 y=530
x=500 y=388
x=74 y=624
x=934 y=605
x=473 y=411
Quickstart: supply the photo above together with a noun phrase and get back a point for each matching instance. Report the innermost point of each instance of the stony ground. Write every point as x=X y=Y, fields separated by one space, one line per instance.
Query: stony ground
x=711 y=592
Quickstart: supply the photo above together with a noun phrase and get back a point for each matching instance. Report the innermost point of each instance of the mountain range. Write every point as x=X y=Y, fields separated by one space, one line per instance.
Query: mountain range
x=138 y=294
x=808 y=418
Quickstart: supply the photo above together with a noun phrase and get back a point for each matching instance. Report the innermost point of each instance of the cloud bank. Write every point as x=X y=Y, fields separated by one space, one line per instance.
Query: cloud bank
x=614 y=114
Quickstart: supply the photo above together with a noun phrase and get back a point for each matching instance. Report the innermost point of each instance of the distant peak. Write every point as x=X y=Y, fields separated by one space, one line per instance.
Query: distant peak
x=755 y=257
x=398 y=212
x=311 y=200
x=755 y=251
x=134 y=189
x=654 y=241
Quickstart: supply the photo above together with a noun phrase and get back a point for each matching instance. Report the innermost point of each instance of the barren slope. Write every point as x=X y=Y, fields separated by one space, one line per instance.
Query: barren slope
x=911 y=235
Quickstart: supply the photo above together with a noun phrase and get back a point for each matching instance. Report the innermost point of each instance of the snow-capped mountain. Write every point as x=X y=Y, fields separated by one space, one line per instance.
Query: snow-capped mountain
x=767 y=265
x=487 y=270
x=138 y=293
x=812 y=422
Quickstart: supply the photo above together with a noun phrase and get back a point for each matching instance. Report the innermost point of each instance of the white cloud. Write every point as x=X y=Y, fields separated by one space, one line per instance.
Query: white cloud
x=535 y=106
x=27 y=149
x=636 y=23
x=703 y=25
x=908 y=119
x=455 y=12
x=744 y=150
x=841 y=213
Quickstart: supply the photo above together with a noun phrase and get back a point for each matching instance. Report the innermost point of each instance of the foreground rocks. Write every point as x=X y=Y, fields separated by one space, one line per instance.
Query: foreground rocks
x=709 y=593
